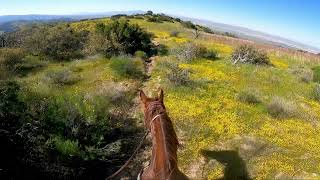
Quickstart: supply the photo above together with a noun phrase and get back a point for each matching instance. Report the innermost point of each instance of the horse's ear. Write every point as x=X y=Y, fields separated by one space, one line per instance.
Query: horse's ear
x=160 y=95
x=143 y=97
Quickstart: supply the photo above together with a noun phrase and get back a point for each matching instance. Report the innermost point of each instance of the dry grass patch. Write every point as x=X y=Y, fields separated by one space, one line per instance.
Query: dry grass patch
x=281 y=108
x=248 y=97
x=303 y=74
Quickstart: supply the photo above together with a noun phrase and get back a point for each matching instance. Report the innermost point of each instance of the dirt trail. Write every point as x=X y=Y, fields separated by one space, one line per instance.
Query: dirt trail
x=142 y=158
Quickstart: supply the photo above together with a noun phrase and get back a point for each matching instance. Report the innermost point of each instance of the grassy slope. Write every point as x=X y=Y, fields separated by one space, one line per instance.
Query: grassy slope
x=207 y=114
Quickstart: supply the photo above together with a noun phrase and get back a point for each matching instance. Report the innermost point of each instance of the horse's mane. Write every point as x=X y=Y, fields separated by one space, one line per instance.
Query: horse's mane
x=168 y=135
x=170 y=139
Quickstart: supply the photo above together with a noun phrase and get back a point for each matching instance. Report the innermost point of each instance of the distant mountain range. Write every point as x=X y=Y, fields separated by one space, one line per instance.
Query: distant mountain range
x=12 y=22
x=36 y=17
x=254 y=35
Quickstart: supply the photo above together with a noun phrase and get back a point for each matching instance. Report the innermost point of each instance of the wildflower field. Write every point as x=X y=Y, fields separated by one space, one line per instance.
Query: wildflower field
x=221 y=132
x=208 y=116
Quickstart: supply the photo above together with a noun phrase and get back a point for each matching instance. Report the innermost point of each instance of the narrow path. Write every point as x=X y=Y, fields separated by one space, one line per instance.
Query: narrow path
x=142 y=158
x=150 y=64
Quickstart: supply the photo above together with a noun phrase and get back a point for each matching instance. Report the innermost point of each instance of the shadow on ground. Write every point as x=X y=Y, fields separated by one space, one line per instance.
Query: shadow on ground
x=235 y=167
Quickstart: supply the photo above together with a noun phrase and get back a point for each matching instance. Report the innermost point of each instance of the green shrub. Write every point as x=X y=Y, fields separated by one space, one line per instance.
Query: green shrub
x=281 y=108
x=162 y=50
x=65 y=128
x=4 y=74
x=154 y=19
x=30 y=63
x=249 y=54
x=316 y=92
x=150 y=13
x=76 y=69
x=10 y=58
x=11 y=107
x=95 y=44
x=17 y=62
x=177 y=19
x=159 y=18
x=127 y=67
x=316 y=74
x=210 y=54
x=191 y=51
x=163 y=17
x=177 y=75
x=62 y=77
x=121 y=37
x=118 y=16
x=207 y=30
x=230 y=35
x=60 y=42
x=188 y=24
x=65 y=146
x=248 y=97
x=140 y=54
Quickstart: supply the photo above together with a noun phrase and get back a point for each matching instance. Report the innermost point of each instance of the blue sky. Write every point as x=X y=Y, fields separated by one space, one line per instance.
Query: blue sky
x=294 y=19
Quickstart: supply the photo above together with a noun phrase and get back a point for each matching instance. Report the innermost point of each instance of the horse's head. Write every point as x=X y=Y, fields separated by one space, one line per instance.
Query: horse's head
x=152 y=106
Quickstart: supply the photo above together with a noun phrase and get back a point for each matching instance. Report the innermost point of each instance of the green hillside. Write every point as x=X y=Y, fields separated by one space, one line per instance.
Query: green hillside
x=232 y=120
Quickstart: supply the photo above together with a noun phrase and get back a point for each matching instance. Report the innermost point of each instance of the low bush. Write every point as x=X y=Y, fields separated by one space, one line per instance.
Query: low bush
x=230 y=35
x=207 y=30
x=188 y=24
x=10 y=105
x=248 y=97
x=162 y=50
x=121 y=37
x=163 y=17
x=65 y=147
x=50 y=134
x=281 y=108
x=177 y=19
x=159 y=18
x=15 y=61
x=127 y=67
x=118 y=16
x=95 y=44
x=210 y=54
x=11 y=57
x=154 y=19
x=316 y=92
x=304 y=74
x=316 y=74
x=31 y=62
x=4 y=74
x=60 y=42
x=11 y=120
x=177 y=75
x=190 y=51
x=174 y=34
x=140 y=54
x=62 y=77
x=150 y=13
x=249 y=54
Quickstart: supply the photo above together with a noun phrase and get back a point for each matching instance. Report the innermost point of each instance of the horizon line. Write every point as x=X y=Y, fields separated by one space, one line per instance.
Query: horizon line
x=315 y=48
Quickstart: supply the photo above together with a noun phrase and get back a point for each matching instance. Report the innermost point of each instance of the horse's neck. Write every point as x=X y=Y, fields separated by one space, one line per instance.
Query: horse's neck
x=164 y=146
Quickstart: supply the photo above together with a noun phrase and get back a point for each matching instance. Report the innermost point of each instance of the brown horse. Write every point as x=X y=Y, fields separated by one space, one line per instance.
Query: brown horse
x=163 y=164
